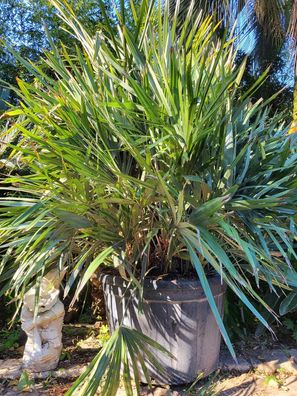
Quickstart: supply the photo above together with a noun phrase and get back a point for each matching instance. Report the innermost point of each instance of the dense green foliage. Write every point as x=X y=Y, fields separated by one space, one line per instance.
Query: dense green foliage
x=22 y=24
x=145 y=154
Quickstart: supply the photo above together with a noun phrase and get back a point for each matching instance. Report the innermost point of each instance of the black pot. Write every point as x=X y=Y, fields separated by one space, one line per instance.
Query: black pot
x=177 y=315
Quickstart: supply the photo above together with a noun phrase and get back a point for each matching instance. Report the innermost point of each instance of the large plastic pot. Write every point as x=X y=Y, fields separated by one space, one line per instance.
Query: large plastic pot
x=177 y=315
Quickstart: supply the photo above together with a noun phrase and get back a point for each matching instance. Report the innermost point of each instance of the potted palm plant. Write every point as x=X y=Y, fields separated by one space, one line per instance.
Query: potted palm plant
x=146 y=157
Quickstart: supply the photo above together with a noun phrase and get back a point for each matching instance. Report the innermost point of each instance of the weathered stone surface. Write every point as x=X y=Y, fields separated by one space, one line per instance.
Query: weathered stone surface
x=253 y=385
x=69 y=372
x=44 y=332
x=293 y=353
x=12 y=369
x=227 y=363
x=155 y=391
x=272 y=361
x=267 y=362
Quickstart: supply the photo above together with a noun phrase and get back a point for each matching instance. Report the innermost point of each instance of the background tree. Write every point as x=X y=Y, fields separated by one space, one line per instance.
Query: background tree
x=271 y=27
x=22 y=25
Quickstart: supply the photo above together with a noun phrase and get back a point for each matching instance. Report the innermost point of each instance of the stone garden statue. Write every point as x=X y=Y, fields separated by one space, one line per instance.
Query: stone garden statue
x=44 y=343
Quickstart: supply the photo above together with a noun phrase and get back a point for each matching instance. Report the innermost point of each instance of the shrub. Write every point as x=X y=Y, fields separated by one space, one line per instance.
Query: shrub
x=144 y=154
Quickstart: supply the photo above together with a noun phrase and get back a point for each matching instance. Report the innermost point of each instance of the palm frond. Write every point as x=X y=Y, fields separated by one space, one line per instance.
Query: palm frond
x=127 y=351
x=144 y=153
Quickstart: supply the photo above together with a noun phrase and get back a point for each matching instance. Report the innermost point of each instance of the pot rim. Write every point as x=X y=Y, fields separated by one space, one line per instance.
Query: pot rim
x=215 y=282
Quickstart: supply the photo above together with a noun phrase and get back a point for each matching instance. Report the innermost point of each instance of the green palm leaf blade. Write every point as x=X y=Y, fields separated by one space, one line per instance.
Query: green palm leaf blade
x=124 y=352
x=289 y=303
x=132 y=141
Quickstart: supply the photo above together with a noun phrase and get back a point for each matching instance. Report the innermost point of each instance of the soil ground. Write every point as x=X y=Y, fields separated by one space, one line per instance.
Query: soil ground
x=264 y=369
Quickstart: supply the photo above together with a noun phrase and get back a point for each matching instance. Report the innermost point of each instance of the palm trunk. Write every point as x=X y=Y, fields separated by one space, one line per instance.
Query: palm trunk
x=97 y=296
x=293 y=127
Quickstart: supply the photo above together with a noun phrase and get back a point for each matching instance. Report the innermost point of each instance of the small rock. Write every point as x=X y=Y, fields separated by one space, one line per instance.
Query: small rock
x=268 y=367
x=228 y=364
x=69 y=372
x=10 y=368
x=293 y=353
x=290 y=366
x=278 y=359
x=156 y=391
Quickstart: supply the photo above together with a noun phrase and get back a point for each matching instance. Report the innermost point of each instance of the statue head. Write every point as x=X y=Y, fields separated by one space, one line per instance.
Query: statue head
x=48 y=292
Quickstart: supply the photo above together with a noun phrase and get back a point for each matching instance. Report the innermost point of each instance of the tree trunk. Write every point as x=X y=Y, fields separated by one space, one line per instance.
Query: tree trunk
x=293 y=127
x=97 y=296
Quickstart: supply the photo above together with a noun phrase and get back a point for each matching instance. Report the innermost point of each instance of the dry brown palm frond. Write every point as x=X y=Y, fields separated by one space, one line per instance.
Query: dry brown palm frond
x=269 y=15
x=292 y=30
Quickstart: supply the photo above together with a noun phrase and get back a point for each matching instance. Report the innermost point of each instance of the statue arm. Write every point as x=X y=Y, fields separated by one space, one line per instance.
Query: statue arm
x=27 y=320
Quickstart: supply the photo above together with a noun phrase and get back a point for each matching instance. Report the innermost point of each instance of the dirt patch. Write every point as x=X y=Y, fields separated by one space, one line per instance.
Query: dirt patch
x=262 y=370
x=257 y=385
